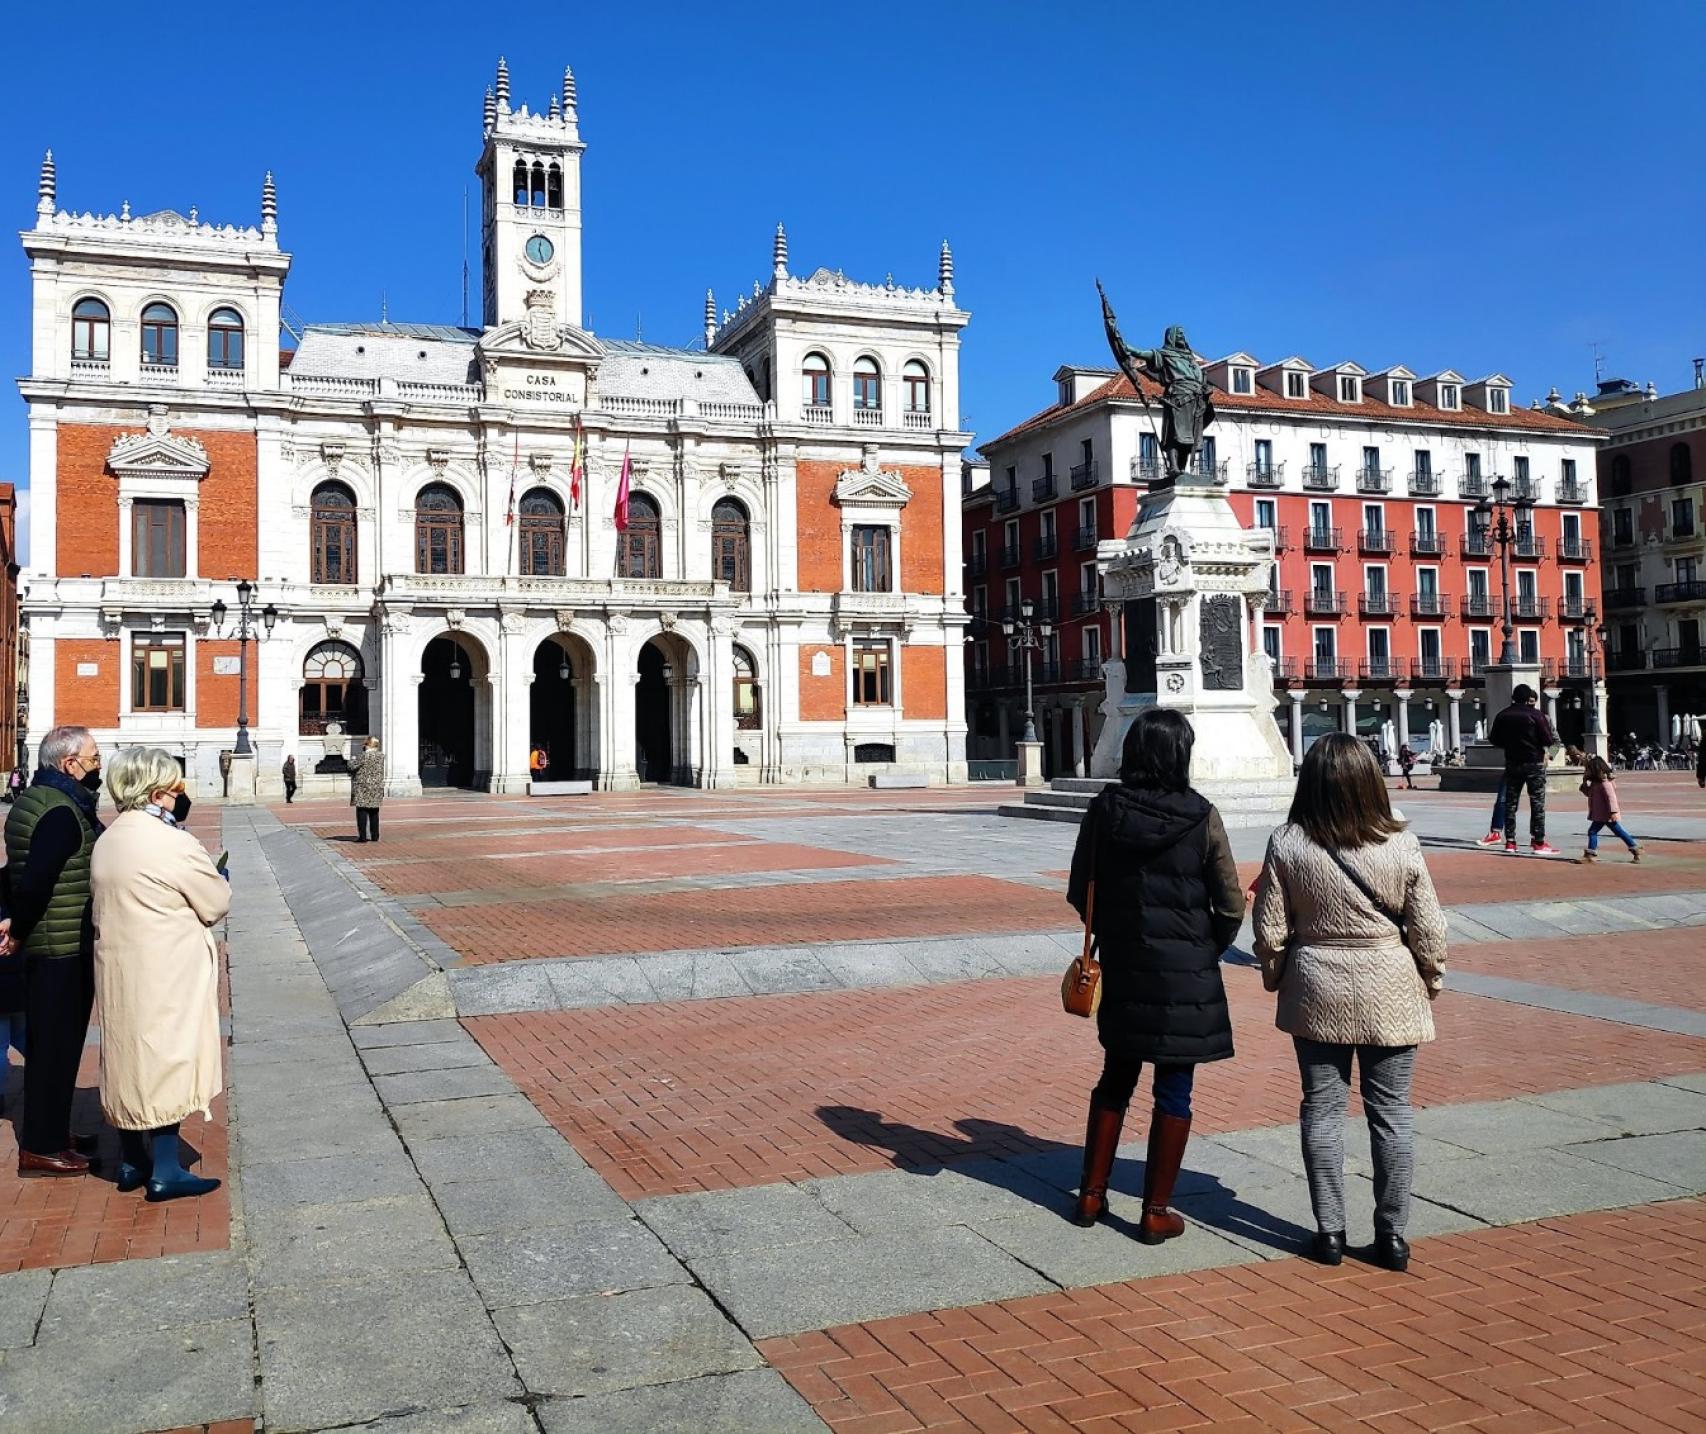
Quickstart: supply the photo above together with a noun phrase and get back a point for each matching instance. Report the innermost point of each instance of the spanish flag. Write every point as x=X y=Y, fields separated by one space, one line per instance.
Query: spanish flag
x=577 y=464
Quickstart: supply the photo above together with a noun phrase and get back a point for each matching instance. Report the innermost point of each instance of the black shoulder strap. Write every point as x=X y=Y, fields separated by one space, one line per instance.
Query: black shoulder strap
x=1368 y=891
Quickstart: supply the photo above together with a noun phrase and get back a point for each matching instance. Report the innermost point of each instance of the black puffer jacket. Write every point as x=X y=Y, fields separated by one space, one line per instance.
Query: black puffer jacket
x=1168 y=902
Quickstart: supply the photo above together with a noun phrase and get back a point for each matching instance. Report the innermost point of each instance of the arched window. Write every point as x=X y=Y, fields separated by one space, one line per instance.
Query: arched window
x=332 y=690
x=1681 y=465
x=817 y=381
x=91 y=331
x=554 y=187
x=748 y=714
x=519 y=188
x=542 y=534
x=731 y=545
x=917 y=379
x=538 y=195
x=159 y=336
x=331 y=524
x=225 y=339
x=638 y=554
x=867 y=386
x=438 y=530
x=1620 y=484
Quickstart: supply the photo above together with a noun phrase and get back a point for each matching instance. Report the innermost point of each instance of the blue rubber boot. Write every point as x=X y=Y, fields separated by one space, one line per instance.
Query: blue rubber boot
x=137 y=1164
x=169 y=1180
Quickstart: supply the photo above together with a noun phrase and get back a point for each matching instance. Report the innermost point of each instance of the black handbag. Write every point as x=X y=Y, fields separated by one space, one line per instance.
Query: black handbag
x=1395 y=917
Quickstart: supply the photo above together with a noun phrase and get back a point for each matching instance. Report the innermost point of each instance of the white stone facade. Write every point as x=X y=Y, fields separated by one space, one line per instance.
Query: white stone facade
x=643 y=674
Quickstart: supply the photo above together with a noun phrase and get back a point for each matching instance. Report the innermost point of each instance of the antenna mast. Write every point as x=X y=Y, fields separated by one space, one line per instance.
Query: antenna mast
x=464 y=256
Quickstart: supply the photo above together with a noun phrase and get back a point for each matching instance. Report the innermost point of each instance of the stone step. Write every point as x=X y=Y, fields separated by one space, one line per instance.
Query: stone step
x=1046 y=807
x=1267 y=787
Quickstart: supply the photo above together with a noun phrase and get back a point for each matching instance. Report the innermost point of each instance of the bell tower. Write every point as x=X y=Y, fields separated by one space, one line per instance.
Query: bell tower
x=530 y=187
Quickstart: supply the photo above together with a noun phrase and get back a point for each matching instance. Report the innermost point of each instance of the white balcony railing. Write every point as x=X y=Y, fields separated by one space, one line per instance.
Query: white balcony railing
x=90 y=368
x=867 y=418
x=225 y=377
x=820 y=414
x=918 y=420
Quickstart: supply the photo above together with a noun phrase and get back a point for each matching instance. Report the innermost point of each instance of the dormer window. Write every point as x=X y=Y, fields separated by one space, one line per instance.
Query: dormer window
x=1400 y=393
x=1350 y=388
x=1498 y=401
x=1065 y=398
x=1243 y=380
x=1448 y=396
x=1296 y=384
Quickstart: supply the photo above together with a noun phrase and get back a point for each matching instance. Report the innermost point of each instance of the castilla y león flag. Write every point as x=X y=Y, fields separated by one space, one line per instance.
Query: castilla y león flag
x=622 y=495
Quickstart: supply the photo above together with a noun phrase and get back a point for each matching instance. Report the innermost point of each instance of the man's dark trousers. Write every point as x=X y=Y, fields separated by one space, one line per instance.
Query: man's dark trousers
x=1530 y=775
x=60 y=990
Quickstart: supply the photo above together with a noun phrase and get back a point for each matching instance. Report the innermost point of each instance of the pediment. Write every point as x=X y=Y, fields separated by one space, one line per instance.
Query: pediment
x=521 y=339
x=158 y=452
x=869 y=486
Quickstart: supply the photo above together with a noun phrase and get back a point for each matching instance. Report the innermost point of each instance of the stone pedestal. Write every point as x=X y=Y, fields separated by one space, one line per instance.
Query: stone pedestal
x=1030 y=764
x=1484 y=763
x=1209 y=578
x=240 y=784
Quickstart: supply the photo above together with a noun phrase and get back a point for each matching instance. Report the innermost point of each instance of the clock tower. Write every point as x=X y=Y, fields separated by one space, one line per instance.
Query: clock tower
x=530 y=187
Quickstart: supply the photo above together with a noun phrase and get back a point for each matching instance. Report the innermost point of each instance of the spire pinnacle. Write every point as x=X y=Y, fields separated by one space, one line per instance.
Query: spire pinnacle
x=779 y=253
x=45 y=190
x=490 y=116
x=503 y=83
x=269 y=205
x=568 y=89
x=710 y=318
x=556 y=111
x=945 y=270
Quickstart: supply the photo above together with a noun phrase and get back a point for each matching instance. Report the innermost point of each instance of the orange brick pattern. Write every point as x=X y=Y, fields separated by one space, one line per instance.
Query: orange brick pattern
x=1661 y=967
x=1590 y=1321
x=819 y=525
x=924 y=684
x=921 y=531
x=823 y=699
x=216 y=696
x=86 y=701
x=611 y=921
x=719 y=1094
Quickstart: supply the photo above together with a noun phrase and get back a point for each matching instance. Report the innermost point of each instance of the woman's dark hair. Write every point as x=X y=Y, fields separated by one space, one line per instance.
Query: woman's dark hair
x=1341 y=798
x=1157 y=751
x=1597 y=769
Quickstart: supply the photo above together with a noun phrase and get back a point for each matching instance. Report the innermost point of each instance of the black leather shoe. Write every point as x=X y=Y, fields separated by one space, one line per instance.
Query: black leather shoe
x=1392 y=1252
x=1329 y=1247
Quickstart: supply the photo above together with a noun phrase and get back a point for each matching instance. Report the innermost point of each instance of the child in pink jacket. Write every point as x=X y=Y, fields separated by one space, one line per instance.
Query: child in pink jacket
x=1603 y=810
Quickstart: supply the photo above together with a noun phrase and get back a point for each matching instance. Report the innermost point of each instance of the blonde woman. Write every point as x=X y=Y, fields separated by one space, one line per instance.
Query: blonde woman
x=367 y=789
x=155 y=893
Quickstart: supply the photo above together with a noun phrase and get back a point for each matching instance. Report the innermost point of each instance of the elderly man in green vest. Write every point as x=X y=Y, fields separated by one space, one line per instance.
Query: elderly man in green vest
x=49 y=834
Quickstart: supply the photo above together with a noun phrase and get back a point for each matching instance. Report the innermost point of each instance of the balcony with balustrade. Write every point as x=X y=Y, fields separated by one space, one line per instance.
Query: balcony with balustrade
x=1379 y=604
x=1433 y=669
x=1085 y=475
x=1572 y=491
x=1480 y=607
x=1265 y=475
x=1043 y=489
x=977 y=565
x=1632 y=659
x=1529 y=547
x=1086 y=601
x=1006 y=500
x=1374 y=540
x=1146 y=471
x=1665 y=657
x=1286 y=670
x=1575 y=550
x=917 y=419
x=1318 y=602
x=1279 y=602
x=1427 y=545
x=1430 y=605
x=1625 y=597
x=1477 y=544
x=1045 y=547
x=867 y=416
x=1280 y=534
x=1577 y=609
x=1670 y=594
x=1524 y=490
x=1424 y=483
x=1202 y=467
x=1530 y=609
x=1320 y=478
x=1328 y=669
x=1085 y=539
x=1476 y=667
x=1381 y=671
x=1011 y=555
x=1561 y=669
x=1087 y=669
x=1472 y=485
x=1374 y=480
x=819 y=415
x=1323 y=540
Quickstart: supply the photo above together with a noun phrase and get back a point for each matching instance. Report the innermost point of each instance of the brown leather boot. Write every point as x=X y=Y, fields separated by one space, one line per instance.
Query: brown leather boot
x=1101 y=1139
x=1167 y=1137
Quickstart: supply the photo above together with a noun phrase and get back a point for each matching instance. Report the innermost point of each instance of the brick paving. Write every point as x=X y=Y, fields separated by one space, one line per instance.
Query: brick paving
x=612 y=921
x=1584 y=1321
x=668 y=1098
x=1660 y=967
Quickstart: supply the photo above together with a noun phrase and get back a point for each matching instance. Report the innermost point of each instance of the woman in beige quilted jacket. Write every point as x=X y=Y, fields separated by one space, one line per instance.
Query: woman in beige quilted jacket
x=1351 y=936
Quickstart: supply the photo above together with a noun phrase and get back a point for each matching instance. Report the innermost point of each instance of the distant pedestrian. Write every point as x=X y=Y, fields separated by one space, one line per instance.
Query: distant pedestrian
x=1351 y=936
x=367 y=789
x=290 y=779
x=538 y=762
x=1407 y=765
x=1168 y=902
x=1522 y=732
x=15 y=783
x=50 y=834
x=156 y=894
x=1700 y=765
x=1603 y=809
x=1496 y=825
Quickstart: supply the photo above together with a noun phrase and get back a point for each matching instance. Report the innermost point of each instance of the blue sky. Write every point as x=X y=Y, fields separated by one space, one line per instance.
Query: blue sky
x=1480 y=186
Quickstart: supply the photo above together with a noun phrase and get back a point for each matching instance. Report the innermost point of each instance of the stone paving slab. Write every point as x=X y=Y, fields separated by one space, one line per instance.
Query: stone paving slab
x=500 y=1155
x=337 y=1354
x=356 y=1241
x=727 y=1221
x=491 y=1418
x=604 y=1343
x=1580 y=1003
x=478 y=1207
x=537 y=1263
x=334 y=1179
x=136 y=1296
x=1499 y=1126
x=1676 y=1157
x=476 y=1115
x=146 y=1380
x=967 y=1193
x=1535 y=1184
x=1636 y=1108
x=403 y=1033
x=754 y=1401
x=437 y=1056
x=1072 y=1257
x=23 y=1296
x=418 y=1086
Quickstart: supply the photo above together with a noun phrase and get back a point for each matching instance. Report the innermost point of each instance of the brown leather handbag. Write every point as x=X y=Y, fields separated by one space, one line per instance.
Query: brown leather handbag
x=1081 y=986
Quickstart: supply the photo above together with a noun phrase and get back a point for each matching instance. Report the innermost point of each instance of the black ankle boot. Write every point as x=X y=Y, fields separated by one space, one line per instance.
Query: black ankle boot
x=1329 y=1247
x=1392 y=1252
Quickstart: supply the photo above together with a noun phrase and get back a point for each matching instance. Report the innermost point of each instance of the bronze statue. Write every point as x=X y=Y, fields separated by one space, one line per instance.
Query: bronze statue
x=1186 y=405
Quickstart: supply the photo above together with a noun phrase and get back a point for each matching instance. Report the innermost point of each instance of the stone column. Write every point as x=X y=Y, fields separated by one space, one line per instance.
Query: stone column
x=1661 y=698
x=1552 y=694
x=1077 y=711
x=1297 y=696
x=719 y=705
x=1402 y=697
x=1351 y=695
x=1454 y=717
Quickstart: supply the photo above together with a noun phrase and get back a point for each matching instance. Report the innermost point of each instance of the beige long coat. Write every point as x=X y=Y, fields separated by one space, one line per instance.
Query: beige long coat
x=156 y=893
x=1342 y=974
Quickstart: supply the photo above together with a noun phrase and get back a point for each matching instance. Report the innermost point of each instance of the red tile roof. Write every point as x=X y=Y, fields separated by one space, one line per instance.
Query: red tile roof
x=1265 y=401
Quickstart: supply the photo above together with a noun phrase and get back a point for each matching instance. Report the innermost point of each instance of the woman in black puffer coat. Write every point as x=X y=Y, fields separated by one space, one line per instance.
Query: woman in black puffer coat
x=1168 y=902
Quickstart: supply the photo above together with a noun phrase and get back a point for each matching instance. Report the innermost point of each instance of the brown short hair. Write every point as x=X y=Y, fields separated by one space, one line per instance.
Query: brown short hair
x=1341 y=799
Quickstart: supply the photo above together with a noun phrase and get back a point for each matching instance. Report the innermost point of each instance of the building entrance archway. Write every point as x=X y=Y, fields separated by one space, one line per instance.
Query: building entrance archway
x=560 y=711
x=653 y=749
x=449 y=716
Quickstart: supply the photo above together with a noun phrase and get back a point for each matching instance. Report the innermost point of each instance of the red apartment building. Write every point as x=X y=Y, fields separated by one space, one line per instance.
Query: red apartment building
x=1387 y=596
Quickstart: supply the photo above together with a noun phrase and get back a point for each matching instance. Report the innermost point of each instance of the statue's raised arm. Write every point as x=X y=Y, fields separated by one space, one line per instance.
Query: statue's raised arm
x=1186 y=403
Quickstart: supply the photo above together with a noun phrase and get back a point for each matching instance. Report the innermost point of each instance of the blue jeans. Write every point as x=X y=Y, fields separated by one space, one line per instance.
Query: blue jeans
x=1594 y=829
x=1499 y=808
x=11 y=1034
x=1172 y=1085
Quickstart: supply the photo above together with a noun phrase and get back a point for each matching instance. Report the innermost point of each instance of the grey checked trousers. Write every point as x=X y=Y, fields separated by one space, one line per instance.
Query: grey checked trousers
x=1385 y=1073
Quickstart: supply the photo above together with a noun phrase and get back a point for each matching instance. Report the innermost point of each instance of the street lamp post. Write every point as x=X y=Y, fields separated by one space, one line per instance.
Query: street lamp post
x=1596 y=641
x=1026 y=636
x=1503 y=533
x=245 y=631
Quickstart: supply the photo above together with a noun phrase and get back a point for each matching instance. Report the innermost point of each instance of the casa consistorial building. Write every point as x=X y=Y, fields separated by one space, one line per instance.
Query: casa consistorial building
x=429 y=514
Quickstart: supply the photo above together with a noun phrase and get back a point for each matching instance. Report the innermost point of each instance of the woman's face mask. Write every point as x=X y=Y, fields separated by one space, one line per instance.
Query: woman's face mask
x=181 y=808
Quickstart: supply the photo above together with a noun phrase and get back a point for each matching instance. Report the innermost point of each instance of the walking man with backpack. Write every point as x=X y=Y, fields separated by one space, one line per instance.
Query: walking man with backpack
x=1522 y=732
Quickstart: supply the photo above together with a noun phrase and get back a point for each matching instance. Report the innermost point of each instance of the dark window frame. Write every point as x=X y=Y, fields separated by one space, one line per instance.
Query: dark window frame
x=159 y=336
x=872 y=679
x=872 y=558
x=159 y=538
x=542 y=534
x=332 y=536
x=225 y=341
x=731 y=545
x=440 y=531
x=87 y=326
x=172 y=672
x=639 y=551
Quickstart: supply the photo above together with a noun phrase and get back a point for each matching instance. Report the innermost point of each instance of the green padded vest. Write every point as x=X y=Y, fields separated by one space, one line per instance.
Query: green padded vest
x=60 y=930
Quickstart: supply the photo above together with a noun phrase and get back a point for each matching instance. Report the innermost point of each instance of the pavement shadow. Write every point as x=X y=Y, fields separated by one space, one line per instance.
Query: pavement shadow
x=1009 y=1158
x=90 y=1133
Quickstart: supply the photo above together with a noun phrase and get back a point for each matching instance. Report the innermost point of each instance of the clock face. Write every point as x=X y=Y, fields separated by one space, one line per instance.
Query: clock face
x=540 y=249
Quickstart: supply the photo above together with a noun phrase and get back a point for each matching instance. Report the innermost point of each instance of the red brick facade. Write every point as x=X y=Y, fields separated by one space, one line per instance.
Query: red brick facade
x=90 y=701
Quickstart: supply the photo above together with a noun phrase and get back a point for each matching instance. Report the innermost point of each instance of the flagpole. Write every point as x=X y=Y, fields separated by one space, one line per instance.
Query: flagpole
x=509 y=515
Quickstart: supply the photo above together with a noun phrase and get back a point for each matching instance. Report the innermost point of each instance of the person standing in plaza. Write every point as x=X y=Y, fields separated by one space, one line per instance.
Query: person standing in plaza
x=1351 y=935
x=156 y=894
x=50 y=834
x=1407 y=765
x=1168 y=902
x=290 y=779
x=1603 y=808
x=1522 y=732
x=367 y=789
